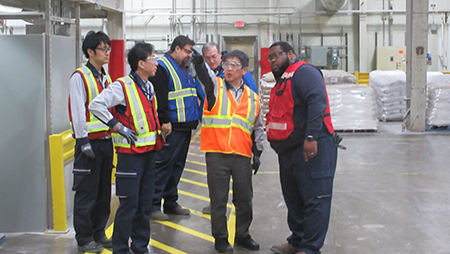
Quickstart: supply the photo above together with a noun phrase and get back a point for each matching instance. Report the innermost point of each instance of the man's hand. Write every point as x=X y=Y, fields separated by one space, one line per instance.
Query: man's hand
x=256 y=163
x=196 y=58
x=87 y=149
x=127 y=133
x=309 y=149
x=167 y=128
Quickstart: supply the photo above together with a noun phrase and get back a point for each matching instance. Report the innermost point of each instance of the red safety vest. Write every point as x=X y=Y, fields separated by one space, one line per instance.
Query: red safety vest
x=141 y=117
x=96 y=129
x=280 y=120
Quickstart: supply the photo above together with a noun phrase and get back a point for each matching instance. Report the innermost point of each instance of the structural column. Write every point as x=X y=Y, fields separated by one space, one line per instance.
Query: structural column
x=364 y=65
x=416 y=65
x=116 y=32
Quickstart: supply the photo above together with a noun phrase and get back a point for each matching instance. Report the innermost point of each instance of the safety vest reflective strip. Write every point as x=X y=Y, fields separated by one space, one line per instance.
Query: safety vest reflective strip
x=147 y=138
x=93 y=124
x=179 y=92
x=225 y=119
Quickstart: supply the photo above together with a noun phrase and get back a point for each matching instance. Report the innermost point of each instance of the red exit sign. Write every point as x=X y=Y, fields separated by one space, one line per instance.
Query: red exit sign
x=239 y=23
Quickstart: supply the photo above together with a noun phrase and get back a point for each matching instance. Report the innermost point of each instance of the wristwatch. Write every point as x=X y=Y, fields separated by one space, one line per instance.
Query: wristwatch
x=310 y=138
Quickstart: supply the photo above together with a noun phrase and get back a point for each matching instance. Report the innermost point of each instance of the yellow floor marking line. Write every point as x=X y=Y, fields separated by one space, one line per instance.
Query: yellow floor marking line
x=196 y=154
x=196 y=135
x=197 y=162
x=187 y=230
x=194 y=182
x=192 y=195
x=267 y=172
x=231 y=224
x=197 y=213
x=195 y=171
x=166 y=248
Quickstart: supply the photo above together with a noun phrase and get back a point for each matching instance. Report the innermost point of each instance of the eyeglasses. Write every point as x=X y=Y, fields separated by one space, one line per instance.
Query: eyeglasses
x=233 y=65
x=188 y=51
x=274 y=55
x=215 y=56
x=151 y=59
x=104 y=49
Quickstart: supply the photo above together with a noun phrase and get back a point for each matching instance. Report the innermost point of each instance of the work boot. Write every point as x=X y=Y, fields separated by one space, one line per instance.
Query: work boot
x=285 y=248
x=222 y=245
x=178 y=210
x=247 y=242
x=92 y=247
x=158 y=215
x=105 y=242
x=207 y=209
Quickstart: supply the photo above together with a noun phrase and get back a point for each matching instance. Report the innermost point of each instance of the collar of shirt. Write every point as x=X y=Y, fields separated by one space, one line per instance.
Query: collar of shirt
x=139 y=81
x=184 y=68
x=230 y=86
x=94 y=70
x=218 y=70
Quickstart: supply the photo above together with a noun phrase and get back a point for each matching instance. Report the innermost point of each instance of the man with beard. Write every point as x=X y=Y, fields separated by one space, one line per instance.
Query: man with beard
x=299 y=129
x=179 y=97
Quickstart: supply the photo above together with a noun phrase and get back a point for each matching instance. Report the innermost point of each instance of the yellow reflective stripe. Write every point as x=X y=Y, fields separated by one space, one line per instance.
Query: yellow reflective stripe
x=176 y=80
x=242 y=124
x=146 y=137
x=96 y=126
x=93 y=125
x=108 y=78
x=182 y=93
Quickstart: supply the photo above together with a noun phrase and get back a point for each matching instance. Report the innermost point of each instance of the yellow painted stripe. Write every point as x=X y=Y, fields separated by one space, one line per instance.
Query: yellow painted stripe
x=231 y=224
x=195 y=171
x=197 y=162
x=196 y=135
x=267 y=172
x=194 y=182
x=200 y=214
x=196 y=154
x=192 y=195
x=187 y=230
x=166 y=248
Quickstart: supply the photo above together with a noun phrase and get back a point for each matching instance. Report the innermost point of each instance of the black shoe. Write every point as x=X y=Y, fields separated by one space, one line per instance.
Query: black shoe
x=92 y=247
x=105 y=242
x=222 y=246
x=247 y=242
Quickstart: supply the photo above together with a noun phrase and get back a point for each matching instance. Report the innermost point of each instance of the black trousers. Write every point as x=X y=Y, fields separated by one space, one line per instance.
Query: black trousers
x=307 y=189
x=135 y=178
x=92 y=186
x=219 y=168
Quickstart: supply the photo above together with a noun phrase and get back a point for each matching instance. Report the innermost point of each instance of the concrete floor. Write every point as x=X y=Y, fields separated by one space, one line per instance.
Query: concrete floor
x=391 y=195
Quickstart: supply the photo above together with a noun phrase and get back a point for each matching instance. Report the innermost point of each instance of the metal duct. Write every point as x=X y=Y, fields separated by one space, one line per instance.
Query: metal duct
x=333 y=5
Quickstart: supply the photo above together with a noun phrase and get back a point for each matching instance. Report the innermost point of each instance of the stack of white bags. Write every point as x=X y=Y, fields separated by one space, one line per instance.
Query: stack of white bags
x=438 y=100
x=390 y=90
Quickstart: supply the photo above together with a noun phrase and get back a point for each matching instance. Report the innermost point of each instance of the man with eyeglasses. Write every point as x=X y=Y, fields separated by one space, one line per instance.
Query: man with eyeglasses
x=136 y=135
x=93 y=147
x=213 y=57
x=180 y=97
x=231 y=135
x=299 y=129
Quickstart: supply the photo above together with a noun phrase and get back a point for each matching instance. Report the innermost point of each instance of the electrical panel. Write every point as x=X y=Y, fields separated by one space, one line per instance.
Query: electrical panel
x=319 y=56
x=334 y=56
x=391 y=58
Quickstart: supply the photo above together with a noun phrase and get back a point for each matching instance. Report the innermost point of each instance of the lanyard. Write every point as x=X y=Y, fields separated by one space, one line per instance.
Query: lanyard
x=147 y=94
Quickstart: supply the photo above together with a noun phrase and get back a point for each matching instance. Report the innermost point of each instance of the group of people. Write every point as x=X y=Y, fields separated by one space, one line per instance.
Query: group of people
x=148 y=117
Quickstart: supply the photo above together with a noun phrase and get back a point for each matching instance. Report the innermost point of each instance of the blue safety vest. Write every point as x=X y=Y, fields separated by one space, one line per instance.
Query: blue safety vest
x=183 y=101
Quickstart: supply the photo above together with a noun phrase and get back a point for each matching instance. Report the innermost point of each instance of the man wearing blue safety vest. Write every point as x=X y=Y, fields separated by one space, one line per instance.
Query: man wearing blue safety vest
x=136 y=134
x=299 y=129
x=93 y=148
x=180 y=100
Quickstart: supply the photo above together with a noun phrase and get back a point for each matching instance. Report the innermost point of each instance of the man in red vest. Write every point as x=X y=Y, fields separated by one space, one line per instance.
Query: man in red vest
x=93 y=148
x=299 y=129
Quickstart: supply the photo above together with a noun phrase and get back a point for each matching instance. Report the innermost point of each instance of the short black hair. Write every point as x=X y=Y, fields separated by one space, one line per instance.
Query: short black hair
x=238 y=54
x=93 y=39
x=139 y=52
x=286 y=47
x=181 y=41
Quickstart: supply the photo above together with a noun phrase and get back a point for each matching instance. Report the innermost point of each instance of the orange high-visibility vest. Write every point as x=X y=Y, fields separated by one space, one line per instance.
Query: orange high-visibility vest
x=227 y=128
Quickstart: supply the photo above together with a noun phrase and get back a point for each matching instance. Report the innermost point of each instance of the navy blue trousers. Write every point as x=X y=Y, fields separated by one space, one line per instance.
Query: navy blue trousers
x=92 y=186
x=170 y=161
x=135 y=176
x=307 y=189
